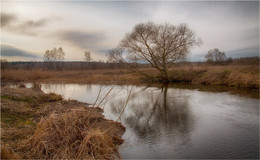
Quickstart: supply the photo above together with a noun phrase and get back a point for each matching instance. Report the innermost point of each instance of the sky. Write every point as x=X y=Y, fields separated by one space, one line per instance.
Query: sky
x=29 y=28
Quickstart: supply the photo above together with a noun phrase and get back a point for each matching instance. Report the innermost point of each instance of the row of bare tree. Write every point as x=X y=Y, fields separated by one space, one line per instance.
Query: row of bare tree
x=82 y=65
x=54 y=58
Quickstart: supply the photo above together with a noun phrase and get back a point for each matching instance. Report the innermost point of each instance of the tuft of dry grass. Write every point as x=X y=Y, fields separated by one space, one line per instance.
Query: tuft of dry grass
x=32 y=96
x=8 y=153
x=43 y=126
x=70 y=136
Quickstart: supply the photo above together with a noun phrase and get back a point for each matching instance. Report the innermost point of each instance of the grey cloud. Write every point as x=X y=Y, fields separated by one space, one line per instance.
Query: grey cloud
x=12 y=23
x=33 y=24
x=198 y=57
x=6 y=19
x=251 y=34
x=104 y=51
x=244 y=52
x=28 y=27
x=10 y=51
x=84 y=40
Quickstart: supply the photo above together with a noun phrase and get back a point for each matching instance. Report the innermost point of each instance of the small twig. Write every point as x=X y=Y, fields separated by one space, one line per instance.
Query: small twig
x=119 y=117
x=98 y=95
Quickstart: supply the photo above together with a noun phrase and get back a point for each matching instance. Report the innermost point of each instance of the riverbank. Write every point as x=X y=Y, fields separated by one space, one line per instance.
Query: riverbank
x=246 y=76
x=35 y=125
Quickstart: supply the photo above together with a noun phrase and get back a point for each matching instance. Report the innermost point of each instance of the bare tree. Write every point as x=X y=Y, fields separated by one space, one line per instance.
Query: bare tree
x=87 y=57
x=159 y=45
x=215 y=55
x=115 y=55
x=53 y=56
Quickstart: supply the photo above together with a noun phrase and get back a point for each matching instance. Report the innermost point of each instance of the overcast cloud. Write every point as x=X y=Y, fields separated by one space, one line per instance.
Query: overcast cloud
x=6 y=19
x=233 y=27
x=10 y=51
x=11 y=23
x=83 y=40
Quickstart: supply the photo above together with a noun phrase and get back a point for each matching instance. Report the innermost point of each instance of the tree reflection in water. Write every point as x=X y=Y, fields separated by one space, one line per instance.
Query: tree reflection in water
x=151 y=113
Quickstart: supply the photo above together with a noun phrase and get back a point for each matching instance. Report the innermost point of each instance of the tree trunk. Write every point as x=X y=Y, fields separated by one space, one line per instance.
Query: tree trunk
x=165 y=78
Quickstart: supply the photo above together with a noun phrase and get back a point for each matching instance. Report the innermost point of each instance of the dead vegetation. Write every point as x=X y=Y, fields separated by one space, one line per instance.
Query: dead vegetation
x=35 y=125
x=231 y=75
x=8 y=153
x=246 y=76
x=71 y=135
x=24 y=75
x=68 y=76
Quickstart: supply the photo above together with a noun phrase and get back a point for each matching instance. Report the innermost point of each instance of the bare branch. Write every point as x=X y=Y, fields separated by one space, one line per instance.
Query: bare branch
x=159 y=45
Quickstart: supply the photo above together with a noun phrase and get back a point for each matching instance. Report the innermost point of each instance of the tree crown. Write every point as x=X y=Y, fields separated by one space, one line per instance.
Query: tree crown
x=215 y=55
x=54 y=55
x=157 y=43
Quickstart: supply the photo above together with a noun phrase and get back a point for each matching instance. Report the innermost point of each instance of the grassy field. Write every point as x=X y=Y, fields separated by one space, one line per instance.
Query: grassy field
x=235 y=76
x=231 y=75
x=35 y=125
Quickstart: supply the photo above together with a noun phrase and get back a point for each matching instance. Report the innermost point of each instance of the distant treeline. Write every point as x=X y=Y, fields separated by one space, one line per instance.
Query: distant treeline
x=64 y=65
x=76 y=65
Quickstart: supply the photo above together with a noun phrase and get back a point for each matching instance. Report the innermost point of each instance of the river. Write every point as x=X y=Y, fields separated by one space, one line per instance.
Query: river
x=176 y=121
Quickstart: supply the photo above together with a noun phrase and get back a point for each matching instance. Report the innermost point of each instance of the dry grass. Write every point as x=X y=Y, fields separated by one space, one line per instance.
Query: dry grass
x=246 y=76
x=35 y=125
x=231 y=75
x=70 y=135
x=83 y=76
x=237 y=76
x=24 y=75
x=8 y=153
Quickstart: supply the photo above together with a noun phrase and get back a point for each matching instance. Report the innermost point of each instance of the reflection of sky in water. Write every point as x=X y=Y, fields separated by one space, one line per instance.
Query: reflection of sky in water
x=176 y=123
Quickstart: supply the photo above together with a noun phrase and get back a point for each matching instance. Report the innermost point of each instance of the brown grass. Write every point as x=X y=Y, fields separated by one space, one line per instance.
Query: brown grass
x=231 y=75
x=35 y=125
x=70 y=135
x=83 y=76
x=8 y=153
x=246 y=76
x=24 y=75
x=237 y=76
